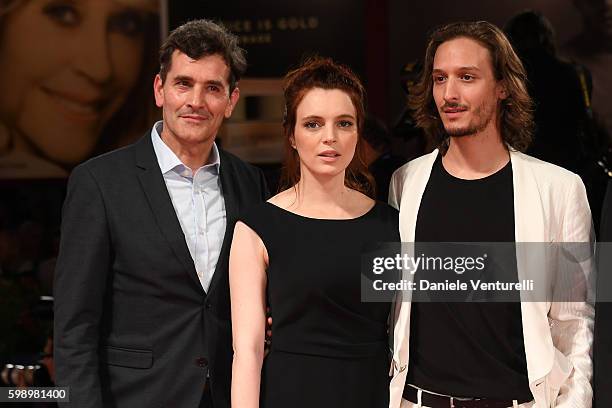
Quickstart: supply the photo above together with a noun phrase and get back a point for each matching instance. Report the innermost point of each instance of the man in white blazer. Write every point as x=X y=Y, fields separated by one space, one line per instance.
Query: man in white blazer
x=478 y=186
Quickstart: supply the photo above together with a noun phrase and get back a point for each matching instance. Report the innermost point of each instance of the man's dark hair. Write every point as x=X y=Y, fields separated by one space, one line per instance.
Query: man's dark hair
x=201 y=38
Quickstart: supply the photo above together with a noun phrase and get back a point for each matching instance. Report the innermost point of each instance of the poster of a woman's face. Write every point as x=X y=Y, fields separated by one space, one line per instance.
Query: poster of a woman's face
x=73 y=77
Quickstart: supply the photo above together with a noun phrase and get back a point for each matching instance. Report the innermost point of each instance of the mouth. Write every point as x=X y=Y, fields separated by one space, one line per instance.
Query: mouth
x=329 y=155
x=453 y=112
x=194 y=118
x=78 y=105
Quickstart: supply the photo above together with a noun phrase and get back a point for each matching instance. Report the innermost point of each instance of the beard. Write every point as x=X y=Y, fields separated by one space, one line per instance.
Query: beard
x=481 y=119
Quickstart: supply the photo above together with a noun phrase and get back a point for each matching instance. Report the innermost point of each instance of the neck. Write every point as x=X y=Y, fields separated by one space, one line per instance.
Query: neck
x=319 y=191
x=476 y=156
x=192 y=155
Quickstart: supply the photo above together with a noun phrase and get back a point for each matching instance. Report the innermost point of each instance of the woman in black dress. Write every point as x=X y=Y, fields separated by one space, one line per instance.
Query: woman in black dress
x=300 y=253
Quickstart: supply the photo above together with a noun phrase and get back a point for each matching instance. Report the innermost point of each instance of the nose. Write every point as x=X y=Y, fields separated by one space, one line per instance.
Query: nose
x=197 y=98
x=329 y=135
x=450 y=90
x=93 y=58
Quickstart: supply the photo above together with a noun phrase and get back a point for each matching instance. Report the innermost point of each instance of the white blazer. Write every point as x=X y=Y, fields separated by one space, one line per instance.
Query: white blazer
x=550 y=205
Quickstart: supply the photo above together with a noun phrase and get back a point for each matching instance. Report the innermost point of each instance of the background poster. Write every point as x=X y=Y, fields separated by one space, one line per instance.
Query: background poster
x=277 y=35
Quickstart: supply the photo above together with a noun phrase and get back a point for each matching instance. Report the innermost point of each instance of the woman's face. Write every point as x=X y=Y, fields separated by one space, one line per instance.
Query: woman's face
x=67 y=67
x=325 y=134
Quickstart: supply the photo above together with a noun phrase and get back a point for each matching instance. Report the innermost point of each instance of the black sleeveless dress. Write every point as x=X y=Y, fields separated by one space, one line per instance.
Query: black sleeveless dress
x=328 y=348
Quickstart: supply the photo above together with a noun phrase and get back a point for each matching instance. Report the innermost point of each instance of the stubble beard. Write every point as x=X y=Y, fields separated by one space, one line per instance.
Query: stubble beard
x=482 y=118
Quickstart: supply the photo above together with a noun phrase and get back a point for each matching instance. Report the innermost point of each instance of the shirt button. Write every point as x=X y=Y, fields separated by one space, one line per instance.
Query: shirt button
x=202 y=362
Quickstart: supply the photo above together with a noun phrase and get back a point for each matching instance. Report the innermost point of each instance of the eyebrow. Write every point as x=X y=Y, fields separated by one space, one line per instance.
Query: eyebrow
x=465 y=68
x=186 y=78
x=215 y=82
x=182 y=78
x=469 y=68
x=344 y=115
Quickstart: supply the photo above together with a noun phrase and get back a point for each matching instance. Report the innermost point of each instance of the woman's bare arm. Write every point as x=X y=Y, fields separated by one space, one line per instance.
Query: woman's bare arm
x=247 y=277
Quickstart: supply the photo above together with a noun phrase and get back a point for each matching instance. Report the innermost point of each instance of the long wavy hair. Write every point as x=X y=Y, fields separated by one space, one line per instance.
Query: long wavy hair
x=318 y=72
x=515 y=114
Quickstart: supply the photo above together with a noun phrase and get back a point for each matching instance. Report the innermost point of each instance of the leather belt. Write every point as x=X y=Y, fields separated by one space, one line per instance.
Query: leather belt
x=441 y=401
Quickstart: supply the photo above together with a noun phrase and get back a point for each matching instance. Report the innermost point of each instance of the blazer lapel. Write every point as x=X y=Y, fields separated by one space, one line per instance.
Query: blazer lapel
x=415 y=182
x=154 y=187
x=414 y=186
x=415 y=178
x=230 y=193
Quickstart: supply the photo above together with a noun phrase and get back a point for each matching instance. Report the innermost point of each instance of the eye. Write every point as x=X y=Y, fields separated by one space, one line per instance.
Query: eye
x=181 y=83
x=127 y=23
x=213 y=88
x=312 y=124
x=63 y=14
x=438 y=78
x=345 y=124
x=467 y=77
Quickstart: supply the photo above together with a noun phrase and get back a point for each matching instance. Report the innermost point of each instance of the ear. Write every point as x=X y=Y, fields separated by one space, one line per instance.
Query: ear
x=292 y=142
x=158 y=91
x=233 y=101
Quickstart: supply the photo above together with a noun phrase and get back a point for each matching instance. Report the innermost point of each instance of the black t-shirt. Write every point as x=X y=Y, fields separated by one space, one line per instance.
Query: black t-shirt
x=468 y=349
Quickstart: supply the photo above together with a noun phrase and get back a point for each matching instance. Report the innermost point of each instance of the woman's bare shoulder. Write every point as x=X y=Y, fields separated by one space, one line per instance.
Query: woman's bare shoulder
x=285 y=199
x=361 y=203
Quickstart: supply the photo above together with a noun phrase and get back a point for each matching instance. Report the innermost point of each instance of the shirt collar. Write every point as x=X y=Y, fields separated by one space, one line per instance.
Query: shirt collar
x=168 y=160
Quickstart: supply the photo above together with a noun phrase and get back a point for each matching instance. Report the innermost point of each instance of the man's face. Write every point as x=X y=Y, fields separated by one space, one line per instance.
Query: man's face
x=194 y=98
x=465 y=90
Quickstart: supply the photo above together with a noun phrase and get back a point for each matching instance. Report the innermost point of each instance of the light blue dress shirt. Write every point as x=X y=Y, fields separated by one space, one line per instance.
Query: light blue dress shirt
x=198 y=202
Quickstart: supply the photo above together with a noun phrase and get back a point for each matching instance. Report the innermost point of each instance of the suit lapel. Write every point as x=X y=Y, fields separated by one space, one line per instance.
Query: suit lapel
x=232 y=209
x=154 y=187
